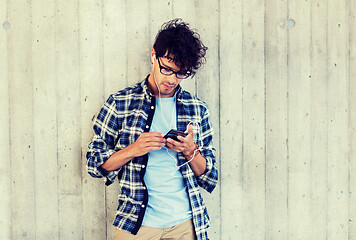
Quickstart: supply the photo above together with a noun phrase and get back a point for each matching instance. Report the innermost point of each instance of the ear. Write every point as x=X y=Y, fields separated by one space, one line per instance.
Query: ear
x=153 y=55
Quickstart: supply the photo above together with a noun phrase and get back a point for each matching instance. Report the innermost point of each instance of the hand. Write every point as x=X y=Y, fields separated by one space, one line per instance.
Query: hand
x=185 y=145
x=146 y=142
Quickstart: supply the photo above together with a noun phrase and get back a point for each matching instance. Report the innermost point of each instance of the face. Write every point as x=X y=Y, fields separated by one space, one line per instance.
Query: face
x=167 y=84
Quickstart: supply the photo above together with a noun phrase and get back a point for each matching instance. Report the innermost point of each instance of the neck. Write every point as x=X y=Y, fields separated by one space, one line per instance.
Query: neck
x=153 y=88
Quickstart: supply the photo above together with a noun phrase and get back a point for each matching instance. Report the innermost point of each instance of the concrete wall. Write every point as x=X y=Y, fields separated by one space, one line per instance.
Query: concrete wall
x=279 y=81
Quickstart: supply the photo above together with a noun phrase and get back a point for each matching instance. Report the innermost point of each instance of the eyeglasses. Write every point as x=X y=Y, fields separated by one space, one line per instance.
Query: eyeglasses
x=168 y=72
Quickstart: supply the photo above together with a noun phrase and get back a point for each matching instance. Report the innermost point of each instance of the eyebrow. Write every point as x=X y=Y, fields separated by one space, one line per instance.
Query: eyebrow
x=164 y=65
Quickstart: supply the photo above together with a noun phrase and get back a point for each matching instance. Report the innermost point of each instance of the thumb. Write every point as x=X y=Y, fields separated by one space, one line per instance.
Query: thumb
x=190 y=129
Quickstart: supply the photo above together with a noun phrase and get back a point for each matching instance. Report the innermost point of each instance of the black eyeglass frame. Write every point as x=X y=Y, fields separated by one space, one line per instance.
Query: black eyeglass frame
x=168 y=71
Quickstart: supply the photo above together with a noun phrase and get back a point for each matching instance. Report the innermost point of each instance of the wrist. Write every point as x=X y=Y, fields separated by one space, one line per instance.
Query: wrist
x=129 y=153
x=192 y=153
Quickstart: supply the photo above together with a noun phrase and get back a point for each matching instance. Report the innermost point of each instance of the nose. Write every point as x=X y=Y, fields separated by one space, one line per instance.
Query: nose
x=172 y=79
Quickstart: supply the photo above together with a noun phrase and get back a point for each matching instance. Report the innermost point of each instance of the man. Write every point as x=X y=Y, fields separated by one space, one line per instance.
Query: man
x=159 y=177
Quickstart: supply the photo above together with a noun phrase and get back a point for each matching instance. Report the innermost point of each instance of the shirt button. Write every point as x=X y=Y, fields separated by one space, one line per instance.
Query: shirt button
x=143 y=205
x=143 y=166
x=144 y=188
x=147 y=126
x=152 y=107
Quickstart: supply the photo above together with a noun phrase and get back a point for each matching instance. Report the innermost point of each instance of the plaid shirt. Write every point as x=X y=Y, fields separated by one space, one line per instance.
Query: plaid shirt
x=124 y=116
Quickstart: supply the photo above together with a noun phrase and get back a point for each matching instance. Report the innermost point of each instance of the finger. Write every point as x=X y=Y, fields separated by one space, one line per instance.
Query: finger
x=158 y=134
x=169 y=145
x=154 y=144
x=182 y=139
x=190 y=129
x=149 y=137
x=186 y=141
x=172 y=147
x=155 y=139
x=149 y=149
x=152 y=134
x=174 y=142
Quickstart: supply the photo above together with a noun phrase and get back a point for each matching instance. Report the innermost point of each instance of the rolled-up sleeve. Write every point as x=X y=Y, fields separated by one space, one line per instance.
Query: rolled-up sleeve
x=102 y=146
x=209 y=178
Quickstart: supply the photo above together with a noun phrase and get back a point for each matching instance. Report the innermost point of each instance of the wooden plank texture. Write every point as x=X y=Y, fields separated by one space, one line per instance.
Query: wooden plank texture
x=231 y=174
x=21 y=121
x=276 y=120
x=338 y=120
x=185 y=9
x=299 y=222
x=68 y=120
x=114 y=46
x=207 y=86
x=45 y=119
x=115 y=74
x=279 y=82
x=253 y=97
x=5 y=163
x=161 y=11
x=138 y=35
x=92 y=91
x=352 y=130
x=318 y=120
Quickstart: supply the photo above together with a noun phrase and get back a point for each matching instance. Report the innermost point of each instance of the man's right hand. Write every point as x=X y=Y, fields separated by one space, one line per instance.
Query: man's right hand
x=146 y=142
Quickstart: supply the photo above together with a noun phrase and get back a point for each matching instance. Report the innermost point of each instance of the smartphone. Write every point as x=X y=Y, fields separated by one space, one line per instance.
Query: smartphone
x=174 y=134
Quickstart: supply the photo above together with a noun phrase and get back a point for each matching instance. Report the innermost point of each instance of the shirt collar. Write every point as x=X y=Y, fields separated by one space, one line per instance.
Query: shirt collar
x=144 y=86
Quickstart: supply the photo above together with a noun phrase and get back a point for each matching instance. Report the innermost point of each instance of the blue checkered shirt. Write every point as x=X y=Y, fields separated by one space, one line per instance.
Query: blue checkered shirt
x=124 y=116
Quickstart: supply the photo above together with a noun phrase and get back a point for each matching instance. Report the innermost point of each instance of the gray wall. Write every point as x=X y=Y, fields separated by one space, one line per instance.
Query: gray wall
x=279 y=81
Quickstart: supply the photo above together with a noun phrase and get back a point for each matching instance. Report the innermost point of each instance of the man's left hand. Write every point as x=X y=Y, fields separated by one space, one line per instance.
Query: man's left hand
x=185 y=145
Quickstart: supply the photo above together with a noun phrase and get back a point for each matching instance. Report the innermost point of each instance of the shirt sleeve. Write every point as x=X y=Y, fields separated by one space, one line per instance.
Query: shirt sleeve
x=102 y=146
x=209 y=178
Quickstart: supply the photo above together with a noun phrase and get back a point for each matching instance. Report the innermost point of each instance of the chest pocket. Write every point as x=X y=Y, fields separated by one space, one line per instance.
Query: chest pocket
x=132 y=127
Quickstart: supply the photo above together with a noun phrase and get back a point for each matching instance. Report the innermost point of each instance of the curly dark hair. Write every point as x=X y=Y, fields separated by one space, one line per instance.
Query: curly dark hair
x=176 y=41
